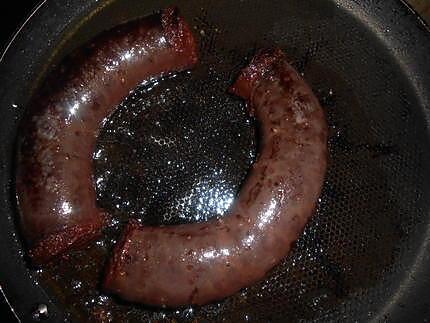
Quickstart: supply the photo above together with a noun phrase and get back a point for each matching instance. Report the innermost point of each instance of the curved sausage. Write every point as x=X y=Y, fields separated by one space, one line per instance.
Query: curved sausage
x=54 y=180
x=202 y=262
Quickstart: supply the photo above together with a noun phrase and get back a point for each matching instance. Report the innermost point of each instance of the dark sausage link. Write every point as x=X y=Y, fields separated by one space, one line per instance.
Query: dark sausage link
x=202 y=262
x=54 y=180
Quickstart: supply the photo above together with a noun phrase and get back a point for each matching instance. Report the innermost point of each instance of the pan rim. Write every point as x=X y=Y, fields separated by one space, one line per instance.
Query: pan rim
x=21 y=27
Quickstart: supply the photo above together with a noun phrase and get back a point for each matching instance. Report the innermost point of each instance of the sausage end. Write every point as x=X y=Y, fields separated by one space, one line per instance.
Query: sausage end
x=263 y=65
x=47 y=249
x=179 y=34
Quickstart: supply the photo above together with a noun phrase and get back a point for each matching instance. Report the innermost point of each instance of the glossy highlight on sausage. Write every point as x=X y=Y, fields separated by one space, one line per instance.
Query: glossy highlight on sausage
x=198 y=263
x=54 y=178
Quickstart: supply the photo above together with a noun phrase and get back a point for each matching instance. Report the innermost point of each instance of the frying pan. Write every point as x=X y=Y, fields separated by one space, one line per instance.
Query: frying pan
x=365 y=256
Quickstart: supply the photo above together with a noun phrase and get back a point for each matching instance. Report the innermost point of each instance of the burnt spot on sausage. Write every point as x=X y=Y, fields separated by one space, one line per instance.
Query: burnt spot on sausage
x=222 y=226
x=263 y=172
x=302 y=101
x=286 y=78
x=127 y=259
x=275 y=146
x=253 y=193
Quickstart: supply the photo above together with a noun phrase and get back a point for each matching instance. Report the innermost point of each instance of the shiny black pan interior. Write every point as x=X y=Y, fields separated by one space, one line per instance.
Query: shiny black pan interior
x=365 y=256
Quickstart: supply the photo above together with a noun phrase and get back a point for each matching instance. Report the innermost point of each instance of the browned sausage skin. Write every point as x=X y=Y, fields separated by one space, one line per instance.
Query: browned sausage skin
x=54 y=179
x=202 y=262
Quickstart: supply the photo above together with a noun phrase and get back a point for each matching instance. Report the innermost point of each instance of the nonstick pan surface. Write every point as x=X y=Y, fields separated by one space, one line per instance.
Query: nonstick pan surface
x=364 y=256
